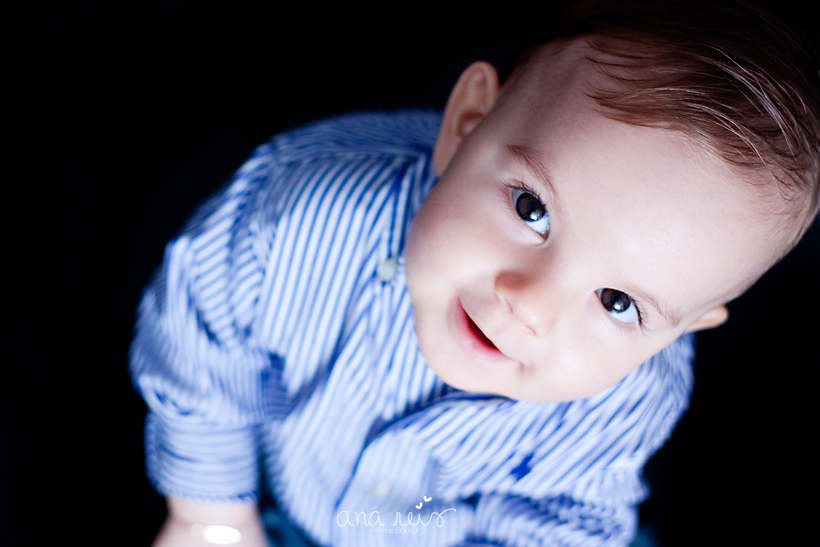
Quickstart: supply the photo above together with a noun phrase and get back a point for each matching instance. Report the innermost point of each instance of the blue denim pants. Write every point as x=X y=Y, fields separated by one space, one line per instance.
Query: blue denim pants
x=281 y=531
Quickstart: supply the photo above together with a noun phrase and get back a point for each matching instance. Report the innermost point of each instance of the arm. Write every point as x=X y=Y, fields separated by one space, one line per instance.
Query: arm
x=207 y=387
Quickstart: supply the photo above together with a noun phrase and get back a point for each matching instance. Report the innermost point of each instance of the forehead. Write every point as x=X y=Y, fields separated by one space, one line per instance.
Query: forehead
x=555 y=78
x=554 y=86
x=682 y=214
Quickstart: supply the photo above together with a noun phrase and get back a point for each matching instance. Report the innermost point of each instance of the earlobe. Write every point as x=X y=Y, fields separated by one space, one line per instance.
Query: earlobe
x=711 y=319
x=472 y=98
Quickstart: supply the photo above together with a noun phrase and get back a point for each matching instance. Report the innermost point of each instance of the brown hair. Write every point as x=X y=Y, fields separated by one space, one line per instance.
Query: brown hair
x=741 y=78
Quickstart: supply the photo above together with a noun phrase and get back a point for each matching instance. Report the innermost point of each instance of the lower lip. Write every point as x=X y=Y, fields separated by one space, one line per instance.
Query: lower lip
x=472 y=338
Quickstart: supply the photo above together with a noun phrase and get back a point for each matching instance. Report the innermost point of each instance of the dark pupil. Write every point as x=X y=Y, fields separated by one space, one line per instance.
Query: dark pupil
x=614 y=300
x=529 y=208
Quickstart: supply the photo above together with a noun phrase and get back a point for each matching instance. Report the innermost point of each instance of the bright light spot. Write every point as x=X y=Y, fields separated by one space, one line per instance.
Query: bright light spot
x=216 y=534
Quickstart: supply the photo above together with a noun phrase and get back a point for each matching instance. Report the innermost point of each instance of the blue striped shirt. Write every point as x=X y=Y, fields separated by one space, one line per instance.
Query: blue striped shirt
x=279 y=329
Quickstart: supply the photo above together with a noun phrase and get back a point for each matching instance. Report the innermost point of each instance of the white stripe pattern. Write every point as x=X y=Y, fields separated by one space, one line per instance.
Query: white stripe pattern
x=268 y=331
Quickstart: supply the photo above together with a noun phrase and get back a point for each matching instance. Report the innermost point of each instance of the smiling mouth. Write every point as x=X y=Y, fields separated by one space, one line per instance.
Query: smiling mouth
x=473 y=339
x=477 y=332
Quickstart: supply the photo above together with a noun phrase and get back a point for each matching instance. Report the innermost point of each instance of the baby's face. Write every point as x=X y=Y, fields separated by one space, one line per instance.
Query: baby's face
x=561 y=249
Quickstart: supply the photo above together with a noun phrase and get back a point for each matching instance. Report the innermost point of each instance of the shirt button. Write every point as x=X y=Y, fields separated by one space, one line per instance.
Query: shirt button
x=387 y=269
x=382 y=490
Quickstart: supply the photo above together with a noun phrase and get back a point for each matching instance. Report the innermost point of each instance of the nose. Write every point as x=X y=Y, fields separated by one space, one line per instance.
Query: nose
x=525 y=296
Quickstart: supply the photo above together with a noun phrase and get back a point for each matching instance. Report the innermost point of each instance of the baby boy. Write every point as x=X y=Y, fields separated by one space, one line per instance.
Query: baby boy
x=472 y=329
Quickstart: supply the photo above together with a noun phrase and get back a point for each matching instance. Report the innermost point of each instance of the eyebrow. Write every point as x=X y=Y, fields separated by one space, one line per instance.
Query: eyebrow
x=529 y=158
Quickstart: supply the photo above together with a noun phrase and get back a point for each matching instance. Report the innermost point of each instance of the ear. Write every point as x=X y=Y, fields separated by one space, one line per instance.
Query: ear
x=709 y=320
x=472 y=98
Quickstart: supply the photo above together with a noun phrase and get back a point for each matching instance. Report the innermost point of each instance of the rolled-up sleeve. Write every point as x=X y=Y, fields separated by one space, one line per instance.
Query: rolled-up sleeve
x=194 y=360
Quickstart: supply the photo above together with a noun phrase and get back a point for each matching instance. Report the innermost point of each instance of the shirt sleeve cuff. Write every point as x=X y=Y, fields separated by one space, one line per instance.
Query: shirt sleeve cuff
x=202 y=462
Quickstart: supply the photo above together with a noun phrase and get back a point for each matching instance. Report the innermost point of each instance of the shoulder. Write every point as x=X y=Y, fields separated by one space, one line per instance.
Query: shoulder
x=358 y=164
x=405 y=133
x=639 y=413
x=595 y=447
x=290 y=161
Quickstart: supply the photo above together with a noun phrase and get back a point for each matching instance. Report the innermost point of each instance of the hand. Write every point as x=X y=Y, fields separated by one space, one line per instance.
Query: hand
x=183 y=514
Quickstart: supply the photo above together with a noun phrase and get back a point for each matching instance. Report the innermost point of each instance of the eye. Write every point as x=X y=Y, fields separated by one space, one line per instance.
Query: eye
x=531 y=211
x=619 y=305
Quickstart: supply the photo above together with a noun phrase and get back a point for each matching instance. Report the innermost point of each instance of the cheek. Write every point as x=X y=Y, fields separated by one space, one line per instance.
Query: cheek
x=453 y=220
x=430 y=252
x=624 y=359
x=589 y=355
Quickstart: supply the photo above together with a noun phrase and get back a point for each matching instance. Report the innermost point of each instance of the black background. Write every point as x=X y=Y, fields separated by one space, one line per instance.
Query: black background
x=117 y=121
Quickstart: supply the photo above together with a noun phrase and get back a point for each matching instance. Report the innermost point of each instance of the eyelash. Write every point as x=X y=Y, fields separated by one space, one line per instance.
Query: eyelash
x=638 y=310
x=525 y=188
x=520 y=186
